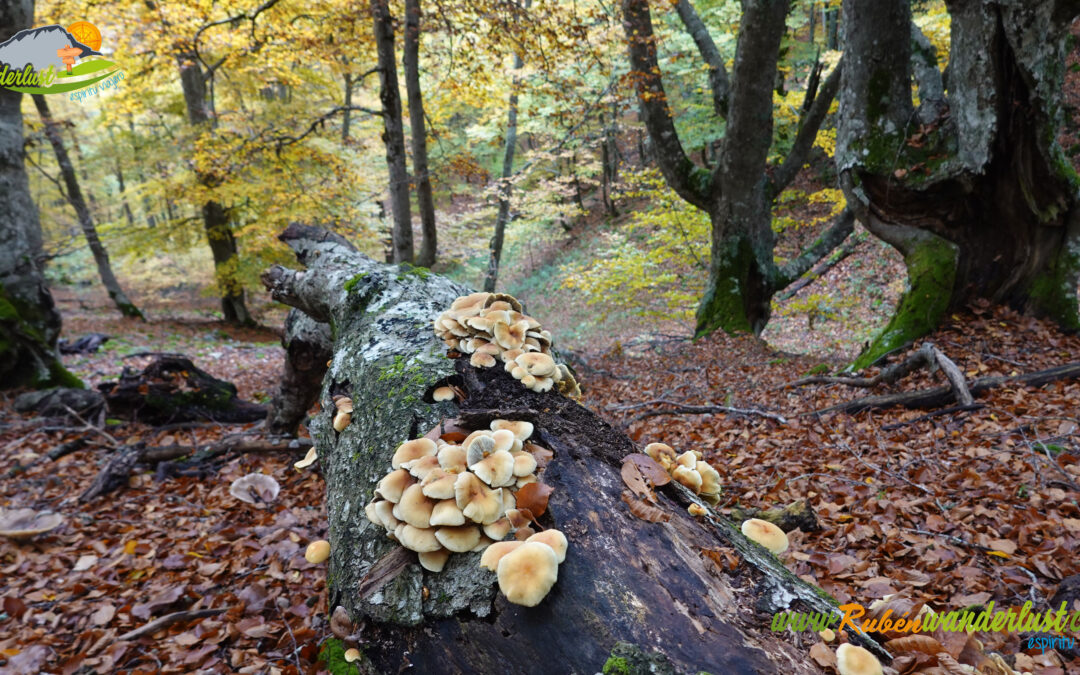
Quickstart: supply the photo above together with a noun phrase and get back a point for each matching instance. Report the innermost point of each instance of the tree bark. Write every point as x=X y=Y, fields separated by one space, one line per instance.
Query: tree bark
x=393 y=132
x=82 y=211
x=308 y=348
x=624 y=580
x=739 y=192
x=29 y=321
x=425 y=201
x=215 y=215
x=506 y=185
x=980 y=202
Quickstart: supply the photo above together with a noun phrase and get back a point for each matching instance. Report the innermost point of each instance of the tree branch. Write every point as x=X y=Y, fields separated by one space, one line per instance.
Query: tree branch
x=687 y=179
x=819 y=270
x=841 y=228
x=718 y=77
x=927 y=76
x=808 y=128
x=283 y=141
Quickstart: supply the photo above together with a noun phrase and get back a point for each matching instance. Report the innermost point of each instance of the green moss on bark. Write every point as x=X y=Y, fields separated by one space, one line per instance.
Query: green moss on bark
x=931 y=266
x=723 y=306
x=1053 y=292
x=29 y=359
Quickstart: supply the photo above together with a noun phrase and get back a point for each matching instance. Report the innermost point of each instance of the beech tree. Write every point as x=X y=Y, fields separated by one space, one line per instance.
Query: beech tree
x=976 y=195
x=29 y=322
x=739 y=191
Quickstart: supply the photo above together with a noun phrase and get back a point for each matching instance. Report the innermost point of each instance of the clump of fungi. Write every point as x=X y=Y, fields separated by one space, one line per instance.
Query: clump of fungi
x=689 y=469
x=442 y=498
x=491 y=327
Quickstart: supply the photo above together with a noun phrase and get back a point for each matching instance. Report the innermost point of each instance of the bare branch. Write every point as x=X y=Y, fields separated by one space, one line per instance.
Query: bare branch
x=841 y=228
x=283 y=141
x=809 y=124
x=718 y=77
x=687 y=179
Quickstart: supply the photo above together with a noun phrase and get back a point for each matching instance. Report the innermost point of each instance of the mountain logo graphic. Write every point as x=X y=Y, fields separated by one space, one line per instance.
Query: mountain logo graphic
x=54 y=59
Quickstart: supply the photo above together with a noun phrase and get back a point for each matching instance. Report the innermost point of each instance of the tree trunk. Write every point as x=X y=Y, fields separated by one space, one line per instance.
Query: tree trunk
x=346 y=117
x=424 y=199
x=215 y=216
x=506 y=185
x=82 y=211
x=738 y=193
x=982 y=202
x=393 y=132
x=29 y=322
x=624 y=580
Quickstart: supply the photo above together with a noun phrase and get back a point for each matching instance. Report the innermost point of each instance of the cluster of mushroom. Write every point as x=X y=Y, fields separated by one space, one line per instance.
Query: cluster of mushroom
x=440 y=498
x=343 y=416
x=689 y=469
x=490 y=327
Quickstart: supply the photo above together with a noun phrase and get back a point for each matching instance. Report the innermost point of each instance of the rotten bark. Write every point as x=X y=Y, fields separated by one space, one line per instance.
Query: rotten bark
x=624 y=580
x=307 y=349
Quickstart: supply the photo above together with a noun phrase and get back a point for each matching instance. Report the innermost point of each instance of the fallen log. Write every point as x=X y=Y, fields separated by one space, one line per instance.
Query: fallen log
x=172 y=389
x=307 y=349
x=650 y=587
x=944 y=395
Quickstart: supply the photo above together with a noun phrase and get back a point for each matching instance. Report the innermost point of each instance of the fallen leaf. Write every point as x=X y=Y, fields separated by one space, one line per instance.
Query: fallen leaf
x=822 y=655
x=644 y=510
x=534 y=497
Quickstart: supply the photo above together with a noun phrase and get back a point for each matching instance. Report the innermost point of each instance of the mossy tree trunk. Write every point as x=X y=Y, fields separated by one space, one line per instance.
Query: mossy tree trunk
x=29 y=322
x=624 y=580
x=975 y=194
x=739 y=192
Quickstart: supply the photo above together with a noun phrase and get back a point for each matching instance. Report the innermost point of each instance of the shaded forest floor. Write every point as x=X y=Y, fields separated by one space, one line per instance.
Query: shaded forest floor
x=956 y=510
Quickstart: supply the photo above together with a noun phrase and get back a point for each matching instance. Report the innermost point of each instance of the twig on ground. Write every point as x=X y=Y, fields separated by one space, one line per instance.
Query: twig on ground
x=168 y=620
x=677 y=408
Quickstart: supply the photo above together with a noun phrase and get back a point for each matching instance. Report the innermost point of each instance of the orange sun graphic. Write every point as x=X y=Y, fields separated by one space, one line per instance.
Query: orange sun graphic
x=86 y=33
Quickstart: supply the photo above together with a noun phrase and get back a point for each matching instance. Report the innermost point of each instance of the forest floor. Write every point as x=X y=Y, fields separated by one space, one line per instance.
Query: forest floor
x=954 y=511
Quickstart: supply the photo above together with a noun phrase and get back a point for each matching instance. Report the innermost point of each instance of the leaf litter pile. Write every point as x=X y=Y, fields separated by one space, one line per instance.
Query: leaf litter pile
x=175 y=574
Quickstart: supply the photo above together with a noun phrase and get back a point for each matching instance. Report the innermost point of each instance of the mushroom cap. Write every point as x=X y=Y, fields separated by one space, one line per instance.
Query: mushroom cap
x=341 y=420
x=520 y=428
x=497 y=469
x=385 y=511
x=524 y=463
x=458 y=539
x=372 y=513
x=542 y=383
x=414 y=449
x=517 y=372
x=467 y=302
x=485 y=541
x=477 y=501
x=537 y=364
x=765 y=533
x=434 y=561
x=503 y=439
x=308 y=459
x=687 y=459
x=443 y=394
x=498 y=530
x=494 y=553
x=527 y=573
x=688 y=477
x=697 y=510
x=509 y=499
x=710 y=478
x=419 y=539
x=555 y=539
x=481 y=360
x=255 y=487
x=854 y=660
x=446 y=512
x=478 y=445
x=25 y=523
x=508 y=356
x=510 y=336
x=439 y=484
x=422 y=466
x=452 y=458
x=343 y=403
x=317 y=551
x=528 y=380
x=503 y=298
x=394 y=484
x=351 y=655
x=414 y=508
x=525 y=480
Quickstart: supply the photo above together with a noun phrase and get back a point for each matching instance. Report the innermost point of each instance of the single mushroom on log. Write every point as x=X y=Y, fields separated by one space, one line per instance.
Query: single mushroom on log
x=625 y=586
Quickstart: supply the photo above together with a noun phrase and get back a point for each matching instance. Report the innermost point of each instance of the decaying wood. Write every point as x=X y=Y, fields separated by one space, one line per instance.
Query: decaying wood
x=119 y=466
x=172 y=389
x=307 y=349
x=624 y=579
x=797 y=516
x=940 y=396
x=163 y=622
